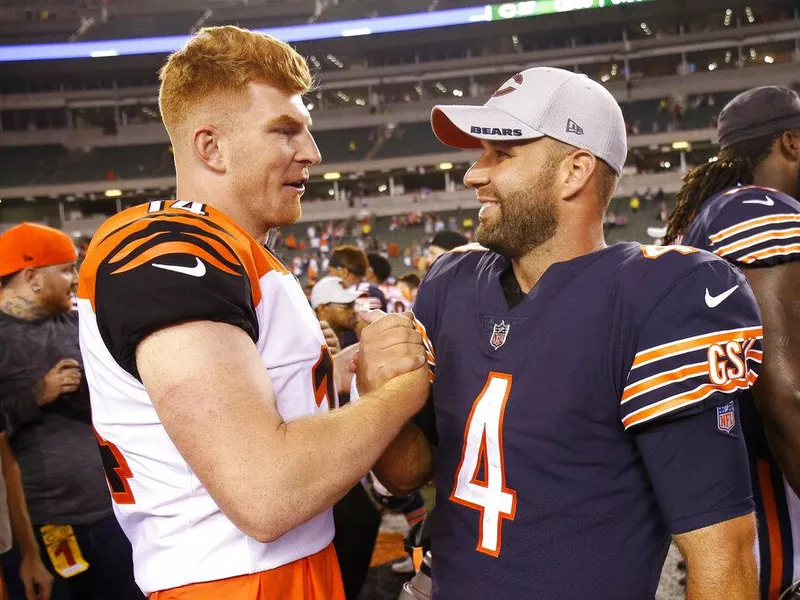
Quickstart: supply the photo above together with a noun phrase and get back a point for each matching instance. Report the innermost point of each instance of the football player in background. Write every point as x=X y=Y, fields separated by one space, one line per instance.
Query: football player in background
x=584 y=395
x=743 y=207
x=380 y=273
x=210 y=379
x=442 y=242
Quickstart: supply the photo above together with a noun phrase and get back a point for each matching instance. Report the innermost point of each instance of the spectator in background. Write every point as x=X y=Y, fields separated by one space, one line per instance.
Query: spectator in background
x=380 y=273
x=14 y=517
x=45 y=403
x=350 y=263
x=355 y=517
x=635 y=203
x=442 y=242
x=408 y=284
x=335 y=304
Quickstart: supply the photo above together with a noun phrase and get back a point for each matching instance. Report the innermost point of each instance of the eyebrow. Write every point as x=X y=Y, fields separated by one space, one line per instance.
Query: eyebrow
x=284 y=120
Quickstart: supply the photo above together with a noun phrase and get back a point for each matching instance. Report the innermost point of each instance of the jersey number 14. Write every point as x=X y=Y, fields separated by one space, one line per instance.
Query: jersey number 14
x=480 y=477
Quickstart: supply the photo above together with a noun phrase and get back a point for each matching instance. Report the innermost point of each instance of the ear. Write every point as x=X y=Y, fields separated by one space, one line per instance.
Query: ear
x=207 y=148
x=580 y=167
x=790 y=144
x=32 y=277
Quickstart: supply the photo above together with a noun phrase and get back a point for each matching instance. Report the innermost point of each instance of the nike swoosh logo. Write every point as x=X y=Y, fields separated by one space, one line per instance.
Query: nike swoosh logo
x=768 y=202
x=196 y=271
x=715 y=301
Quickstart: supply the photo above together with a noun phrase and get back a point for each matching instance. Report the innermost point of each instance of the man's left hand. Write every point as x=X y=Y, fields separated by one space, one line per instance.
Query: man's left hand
x=36 y=578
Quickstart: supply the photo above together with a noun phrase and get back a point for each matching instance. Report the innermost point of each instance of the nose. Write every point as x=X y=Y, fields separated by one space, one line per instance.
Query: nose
x=308 y=152
x=476 y=176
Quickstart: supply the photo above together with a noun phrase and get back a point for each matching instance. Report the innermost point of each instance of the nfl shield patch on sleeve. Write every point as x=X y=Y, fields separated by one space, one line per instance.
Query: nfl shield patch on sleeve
x=726 y=417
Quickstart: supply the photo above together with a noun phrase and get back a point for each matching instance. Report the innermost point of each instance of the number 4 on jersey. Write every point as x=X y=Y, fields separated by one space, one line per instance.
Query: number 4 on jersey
x=483 y=450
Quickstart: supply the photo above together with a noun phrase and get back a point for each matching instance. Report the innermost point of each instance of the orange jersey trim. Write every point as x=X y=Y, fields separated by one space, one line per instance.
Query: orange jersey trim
x=767 y=487
x=656 y=381
x=756 y=239
x=770 y=252
x=752 y=224
x=694 y=343
x=700 y=393
x=213 y=228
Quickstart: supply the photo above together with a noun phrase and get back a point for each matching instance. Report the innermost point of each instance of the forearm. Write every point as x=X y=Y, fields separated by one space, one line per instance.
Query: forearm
x=20 y=408
x=320 y=458
x=18 y=510
x=720 y=560
x=733 y=576
x=777 y=396
x=407 y=463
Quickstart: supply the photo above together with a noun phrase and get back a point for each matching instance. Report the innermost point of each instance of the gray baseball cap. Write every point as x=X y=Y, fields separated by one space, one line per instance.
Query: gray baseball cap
x=538 y=102
x=762 y=111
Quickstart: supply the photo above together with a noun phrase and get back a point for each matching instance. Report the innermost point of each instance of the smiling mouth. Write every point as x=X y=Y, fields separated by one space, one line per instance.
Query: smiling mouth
x=299 y=185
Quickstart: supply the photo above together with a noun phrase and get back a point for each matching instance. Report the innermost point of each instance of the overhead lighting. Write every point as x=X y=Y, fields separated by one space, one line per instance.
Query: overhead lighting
x=113 y=193
x=440 y=86
x=605 y=77
x=712 y=66
x=445 y=166
x=680 y=145
x=331 y=192
x=728 y=56
x=768 y=59
x=310 y=106
x=713 y=159
x=331 y=176
x=382 y=188
x=458 y=93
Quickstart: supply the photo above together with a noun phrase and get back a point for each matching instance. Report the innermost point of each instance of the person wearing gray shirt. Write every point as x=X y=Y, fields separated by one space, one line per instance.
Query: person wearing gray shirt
x=44 y=400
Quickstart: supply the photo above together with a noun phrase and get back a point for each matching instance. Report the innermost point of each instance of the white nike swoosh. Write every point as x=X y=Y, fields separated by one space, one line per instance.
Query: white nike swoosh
x=768 y=202
x=715 y=301
x=196 y=271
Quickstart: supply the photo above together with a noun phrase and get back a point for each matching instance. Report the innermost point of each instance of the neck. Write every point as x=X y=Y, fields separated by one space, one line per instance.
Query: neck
x=20 y=307
x=224 y=203
x=568 y=243
x=767 y=174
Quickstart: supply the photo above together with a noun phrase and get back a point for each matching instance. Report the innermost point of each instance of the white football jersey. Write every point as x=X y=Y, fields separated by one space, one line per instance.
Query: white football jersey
x=156 y=265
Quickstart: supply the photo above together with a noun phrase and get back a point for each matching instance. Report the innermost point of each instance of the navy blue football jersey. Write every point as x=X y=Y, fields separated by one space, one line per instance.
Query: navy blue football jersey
x=578 y=430
x=756 y=227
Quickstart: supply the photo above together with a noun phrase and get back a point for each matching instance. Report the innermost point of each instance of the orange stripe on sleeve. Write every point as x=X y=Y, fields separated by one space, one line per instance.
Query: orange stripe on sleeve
x=752 y=224
x=126 y=251
x=757 y=239
x=700 y=393
x=770 y=252
x=694 y=343
x=174 y=248
x=656 y=381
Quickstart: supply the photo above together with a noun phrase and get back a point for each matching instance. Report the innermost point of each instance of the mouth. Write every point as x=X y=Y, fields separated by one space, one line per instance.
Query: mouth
x=298 y=185
x=488 y=201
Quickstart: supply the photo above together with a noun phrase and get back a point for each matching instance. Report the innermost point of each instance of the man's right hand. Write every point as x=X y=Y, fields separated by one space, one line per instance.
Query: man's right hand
x=63 y=378
x=392 y=355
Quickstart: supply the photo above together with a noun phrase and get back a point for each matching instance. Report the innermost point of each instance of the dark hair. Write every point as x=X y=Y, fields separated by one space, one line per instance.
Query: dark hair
x=411 y=279
x=6 y=280
x=380 y=266
x=449 y=239
x=734 y=165
x=351 y=258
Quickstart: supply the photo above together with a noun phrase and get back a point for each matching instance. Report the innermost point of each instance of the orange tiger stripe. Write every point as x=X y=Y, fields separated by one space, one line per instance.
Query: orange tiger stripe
x=174 y=248
x=687 y=345
x=133 y=246
x=693 y=396
x=219 y=247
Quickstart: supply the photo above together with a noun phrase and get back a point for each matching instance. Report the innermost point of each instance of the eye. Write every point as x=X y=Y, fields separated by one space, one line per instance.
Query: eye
x=501 y=154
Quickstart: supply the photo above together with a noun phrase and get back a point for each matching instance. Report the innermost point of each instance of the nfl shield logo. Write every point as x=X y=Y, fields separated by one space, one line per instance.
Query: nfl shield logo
x=499 y=334
x=726 y=417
